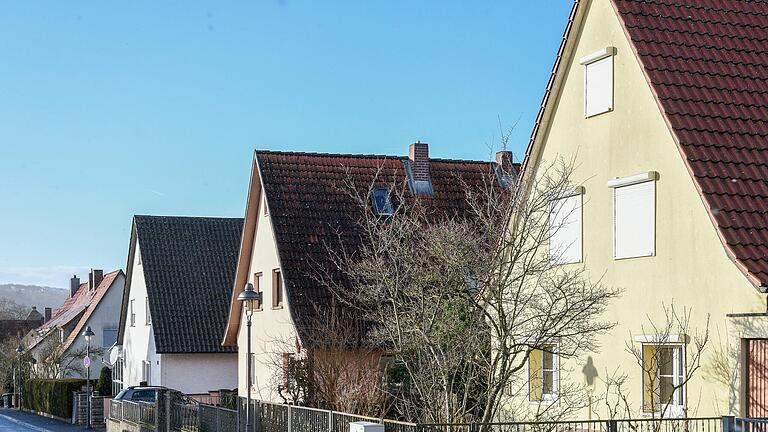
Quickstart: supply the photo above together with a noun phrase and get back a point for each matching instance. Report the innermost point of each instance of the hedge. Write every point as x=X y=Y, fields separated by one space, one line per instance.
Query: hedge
x=52 y=396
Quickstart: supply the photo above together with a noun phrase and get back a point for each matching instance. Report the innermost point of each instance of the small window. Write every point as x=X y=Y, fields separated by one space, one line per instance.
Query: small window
x=109 y=337
x=663 y=377
x=133 y=314
x=565 y=230
x=277 y=289
x=253 y=369
x=146 y=309
x=598 y=82
x=257 y=287
x=634 y=220
x=146 y=372
x=544 y=373
x=264 y=204
x=382 y=204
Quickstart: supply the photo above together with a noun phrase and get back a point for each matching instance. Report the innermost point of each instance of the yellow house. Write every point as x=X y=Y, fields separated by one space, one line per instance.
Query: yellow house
x=663 y=108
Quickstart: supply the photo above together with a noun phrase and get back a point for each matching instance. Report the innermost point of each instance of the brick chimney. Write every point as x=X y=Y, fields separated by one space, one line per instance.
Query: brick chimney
x=47 y=315
x=94 y=278
x=74 y=284
x=419 y=156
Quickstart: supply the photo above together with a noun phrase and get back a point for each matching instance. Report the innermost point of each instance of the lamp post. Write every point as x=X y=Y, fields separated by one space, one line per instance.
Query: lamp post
x=19 y=351
x=249 y=297
x=88 y=335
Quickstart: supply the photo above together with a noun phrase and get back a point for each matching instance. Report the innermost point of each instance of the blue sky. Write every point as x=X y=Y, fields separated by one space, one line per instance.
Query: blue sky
x=155 y=107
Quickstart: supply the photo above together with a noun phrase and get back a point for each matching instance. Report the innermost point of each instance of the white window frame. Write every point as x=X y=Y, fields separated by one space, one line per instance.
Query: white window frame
x=133 y=313
x=677 y=407
x=621 y=182
x=551 y=397
x=603 y=56
x=146 y=372
x=557 y=256
x=148 y=318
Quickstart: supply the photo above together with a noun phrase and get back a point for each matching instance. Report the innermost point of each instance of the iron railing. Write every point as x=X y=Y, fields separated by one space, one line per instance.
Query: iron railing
x=749 y=425
x=143 y=413
x=115 y=409
x=705 y=424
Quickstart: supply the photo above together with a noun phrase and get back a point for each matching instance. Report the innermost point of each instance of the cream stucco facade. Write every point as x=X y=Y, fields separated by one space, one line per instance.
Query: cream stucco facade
x=272 y=331
x=690 y=267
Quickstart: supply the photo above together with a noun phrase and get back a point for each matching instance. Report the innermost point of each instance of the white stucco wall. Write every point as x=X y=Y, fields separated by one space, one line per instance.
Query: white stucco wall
x=106 y=315
x=139 y=340
x=199 y=373
x=272 y=330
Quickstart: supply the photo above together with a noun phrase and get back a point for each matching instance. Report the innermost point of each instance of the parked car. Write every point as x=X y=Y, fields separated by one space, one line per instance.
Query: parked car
x=149 y=394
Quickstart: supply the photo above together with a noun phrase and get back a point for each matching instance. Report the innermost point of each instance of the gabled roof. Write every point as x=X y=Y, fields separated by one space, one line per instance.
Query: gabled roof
x=309 y=205
x=189 y=267
x=706 y=62
x=76 y=309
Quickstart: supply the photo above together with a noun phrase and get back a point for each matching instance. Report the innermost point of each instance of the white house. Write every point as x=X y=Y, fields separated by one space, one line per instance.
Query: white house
x=95 y=303
x=175 y=305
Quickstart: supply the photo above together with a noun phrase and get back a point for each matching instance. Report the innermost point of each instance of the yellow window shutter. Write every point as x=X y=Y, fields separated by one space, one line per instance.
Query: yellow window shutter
x=649 y=378
x=534 y=375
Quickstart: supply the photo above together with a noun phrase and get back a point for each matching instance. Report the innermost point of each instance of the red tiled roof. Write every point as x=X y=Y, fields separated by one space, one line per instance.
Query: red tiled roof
x=707 y=62
x=78 y=307
x=309 y=204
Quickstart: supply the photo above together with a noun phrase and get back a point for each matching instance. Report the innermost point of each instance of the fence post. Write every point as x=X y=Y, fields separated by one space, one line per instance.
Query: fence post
x=289 y=419
x=613 y=426
x=729 y=423
x=330 y=421
x=474 y=427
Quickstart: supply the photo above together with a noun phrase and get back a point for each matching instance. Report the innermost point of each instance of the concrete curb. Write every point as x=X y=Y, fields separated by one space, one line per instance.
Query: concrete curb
x=25 y=424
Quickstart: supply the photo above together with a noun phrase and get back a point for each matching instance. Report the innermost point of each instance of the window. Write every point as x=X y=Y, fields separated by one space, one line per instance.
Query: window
x=598 y=82
x=565 y=230
x=109 y=337
x=663 y=376
x=253 y=369
x=289 y=370
x=146 y=372
x=277 y=289
x=634 y=216
x=257 y=287
x=133 y=314
x=117 y=377
x=544 y=374
x=146 y=309
x=382 y=205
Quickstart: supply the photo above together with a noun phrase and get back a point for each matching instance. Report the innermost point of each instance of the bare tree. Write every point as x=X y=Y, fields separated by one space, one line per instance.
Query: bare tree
x=10 y=310
x=460 y=299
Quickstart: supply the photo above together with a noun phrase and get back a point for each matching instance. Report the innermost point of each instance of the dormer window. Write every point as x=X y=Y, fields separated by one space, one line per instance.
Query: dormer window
x=382 y=204
x=598 y=81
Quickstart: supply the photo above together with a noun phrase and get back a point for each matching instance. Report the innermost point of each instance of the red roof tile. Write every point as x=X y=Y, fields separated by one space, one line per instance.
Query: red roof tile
x=707 y=62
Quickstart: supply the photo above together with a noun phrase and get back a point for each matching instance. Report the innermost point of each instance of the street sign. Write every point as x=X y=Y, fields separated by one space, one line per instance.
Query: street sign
x=87 y=362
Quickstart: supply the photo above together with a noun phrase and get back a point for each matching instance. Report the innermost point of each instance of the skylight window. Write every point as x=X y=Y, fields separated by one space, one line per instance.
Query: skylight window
x=382 y=205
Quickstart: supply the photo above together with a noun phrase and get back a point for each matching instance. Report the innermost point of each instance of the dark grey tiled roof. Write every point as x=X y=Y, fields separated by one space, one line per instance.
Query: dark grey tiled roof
x=189 y=267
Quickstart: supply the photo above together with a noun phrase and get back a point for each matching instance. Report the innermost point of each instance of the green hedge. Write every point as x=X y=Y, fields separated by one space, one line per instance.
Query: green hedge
x=51 y=396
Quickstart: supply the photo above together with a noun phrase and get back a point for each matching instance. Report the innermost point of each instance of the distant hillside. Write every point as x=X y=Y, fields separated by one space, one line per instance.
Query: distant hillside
x=33 y=295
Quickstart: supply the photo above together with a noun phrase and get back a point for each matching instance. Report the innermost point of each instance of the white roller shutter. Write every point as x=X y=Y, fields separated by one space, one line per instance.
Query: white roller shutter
x=565 y=231
x=598 y=87
x=634 y=222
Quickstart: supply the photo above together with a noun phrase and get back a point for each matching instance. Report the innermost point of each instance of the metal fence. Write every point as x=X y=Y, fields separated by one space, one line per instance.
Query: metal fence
x=139 y=413
x=705 y=424
x=746 y=424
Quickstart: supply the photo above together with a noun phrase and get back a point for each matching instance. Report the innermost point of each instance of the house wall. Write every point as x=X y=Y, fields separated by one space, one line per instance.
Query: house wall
x=199 y=373
x=105 y=316
x=690 y=267
x=272 y=329
x=139 y=340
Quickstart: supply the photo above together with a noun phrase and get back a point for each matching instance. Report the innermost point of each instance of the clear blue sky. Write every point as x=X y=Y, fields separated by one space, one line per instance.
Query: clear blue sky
x=110 y=110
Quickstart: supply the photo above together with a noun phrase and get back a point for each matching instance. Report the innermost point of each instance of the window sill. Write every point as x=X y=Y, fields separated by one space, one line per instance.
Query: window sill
x=277 y=307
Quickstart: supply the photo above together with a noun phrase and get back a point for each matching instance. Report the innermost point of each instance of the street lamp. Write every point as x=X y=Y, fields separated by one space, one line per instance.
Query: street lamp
x=88 y=335
x=249 y=297
x=19 y=351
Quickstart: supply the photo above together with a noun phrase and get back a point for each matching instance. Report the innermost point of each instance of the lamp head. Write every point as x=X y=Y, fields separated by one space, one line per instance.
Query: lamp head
x=88 y=334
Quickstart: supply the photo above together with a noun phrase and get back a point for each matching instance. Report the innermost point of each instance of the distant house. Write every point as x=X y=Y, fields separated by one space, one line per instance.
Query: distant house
x=297 y=203
x=174 y=309
x=19 y=327
x=58 y=345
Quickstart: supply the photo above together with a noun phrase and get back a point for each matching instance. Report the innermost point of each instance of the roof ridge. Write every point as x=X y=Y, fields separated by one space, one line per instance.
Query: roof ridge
x=362 y=156
x=186 y=217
